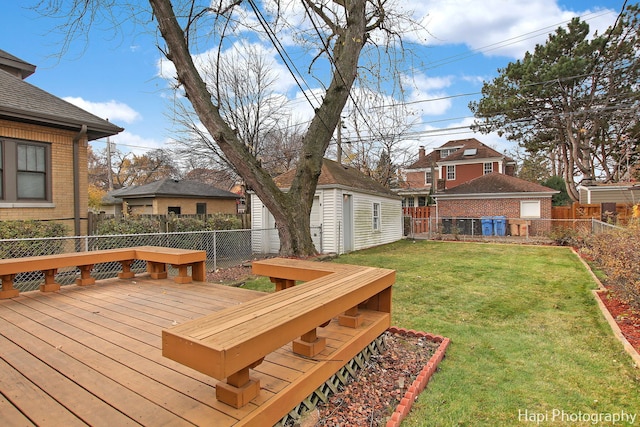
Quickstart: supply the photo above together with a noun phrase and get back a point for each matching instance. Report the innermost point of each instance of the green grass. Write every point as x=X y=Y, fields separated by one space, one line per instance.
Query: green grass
x=526 y=333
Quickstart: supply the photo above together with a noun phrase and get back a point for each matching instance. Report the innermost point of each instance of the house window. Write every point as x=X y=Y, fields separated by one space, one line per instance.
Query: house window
x=488 y=168
x=411 y=202
x=32 y=172
x=530 y=209
x=428 y=179
x=451 y=172
x=376 y=216
x=422 y=201
x=201 y=208
x=446 y=152
x=174 y=210
x=25 y=171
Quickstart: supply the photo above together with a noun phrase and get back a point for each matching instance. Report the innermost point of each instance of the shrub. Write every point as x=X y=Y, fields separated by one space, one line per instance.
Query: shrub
x=617 y=254
x=128 y=225
x=567 y=236
x=31 y=229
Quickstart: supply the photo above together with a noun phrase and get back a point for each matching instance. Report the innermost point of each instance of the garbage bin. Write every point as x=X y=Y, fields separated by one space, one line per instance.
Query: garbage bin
x=500 y=225
x=447 y=225
x=487 y=225
x=464 y=226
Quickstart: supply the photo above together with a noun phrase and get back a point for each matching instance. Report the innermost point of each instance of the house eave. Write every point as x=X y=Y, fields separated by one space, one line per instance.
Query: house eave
x=484 y=196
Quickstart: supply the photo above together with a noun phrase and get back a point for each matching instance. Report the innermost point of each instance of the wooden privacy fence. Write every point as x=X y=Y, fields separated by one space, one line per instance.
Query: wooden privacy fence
x=618 y=213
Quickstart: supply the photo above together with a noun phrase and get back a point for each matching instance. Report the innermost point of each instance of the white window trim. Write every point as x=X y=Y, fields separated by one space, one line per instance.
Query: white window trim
x=376 y=216
x=487 y=168
x=453 y=168
x=530 y=209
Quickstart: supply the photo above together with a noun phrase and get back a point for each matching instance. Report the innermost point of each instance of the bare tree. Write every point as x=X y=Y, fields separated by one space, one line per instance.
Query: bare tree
x=338 y=31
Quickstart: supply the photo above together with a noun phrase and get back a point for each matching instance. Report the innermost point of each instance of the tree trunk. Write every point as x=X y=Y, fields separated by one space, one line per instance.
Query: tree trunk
x=292 y=209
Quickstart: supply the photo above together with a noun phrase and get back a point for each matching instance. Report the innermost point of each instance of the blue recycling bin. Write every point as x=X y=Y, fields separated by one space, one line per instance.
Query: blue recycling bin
x=500 y=225
x=487 y=225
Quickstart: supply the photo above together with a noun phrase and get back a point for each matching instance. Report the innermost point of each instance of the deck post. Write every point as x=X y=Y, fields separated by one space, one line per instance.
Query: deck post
x=240 y=387
x=351 y=318
x=282 y=284
x=183 y=274
x=126 y=270
x=85 y=275
x=309 y=344
x=157 y=270
x=8 y=291
x=50 y=284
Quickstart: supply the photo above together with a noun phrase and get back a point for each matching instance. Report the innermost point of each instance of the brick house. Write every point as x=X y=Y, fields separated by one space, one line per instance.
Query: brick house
x=448 y=166
x=180 y=197
x=498 y=194
x=43 y=151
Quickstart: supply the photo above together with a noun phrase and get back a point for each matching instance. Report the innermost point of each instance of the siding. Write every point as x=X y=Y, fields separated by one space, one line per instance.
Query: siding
x=61 y=175
x=332 y=222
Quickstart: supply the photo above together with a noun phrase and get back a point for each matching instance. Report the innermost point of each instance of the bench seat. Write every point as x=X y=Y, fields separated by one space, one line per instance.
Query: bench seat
x=228 y=343
x=156 y=257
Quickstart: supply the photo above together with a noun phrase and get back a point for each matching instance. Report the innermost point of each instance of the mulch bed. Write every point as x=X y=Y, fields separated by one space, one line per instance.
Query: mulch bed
x=372 y=397
x=628 y=319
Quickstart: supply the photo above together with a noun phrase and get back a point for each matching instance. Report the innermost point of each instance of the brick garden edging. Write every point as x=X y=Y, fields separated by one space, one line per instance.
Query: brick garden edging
x=421 y=381
x=635 y=356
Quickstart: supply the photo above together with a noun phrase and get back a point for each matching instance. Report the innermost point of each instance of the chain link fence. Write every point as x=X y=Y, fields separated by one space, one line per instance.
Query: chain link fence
x=225 y=248
x=499 y=228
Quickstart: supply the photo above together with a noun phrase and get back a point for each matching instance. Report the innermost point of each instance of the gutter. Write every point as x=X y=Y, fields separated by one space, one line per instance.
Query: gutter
x=82 y=134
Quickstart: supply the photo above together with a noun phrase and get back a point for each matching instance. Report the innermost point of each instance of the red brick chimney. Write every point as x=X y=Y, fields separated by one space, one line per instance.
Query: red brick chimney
x=421 y=152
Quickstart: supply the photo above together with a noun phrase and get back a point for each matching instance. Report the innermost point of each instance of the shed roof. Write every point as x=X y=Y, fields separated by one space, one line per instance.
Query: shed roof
x=336 y=174
x=25 y=103
x=169 y=187
x=496 y=183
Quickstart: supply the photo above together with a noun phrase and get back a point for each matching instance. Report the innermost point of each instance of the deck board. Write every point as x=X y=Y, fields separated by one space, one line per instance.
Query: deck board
x=91 y=355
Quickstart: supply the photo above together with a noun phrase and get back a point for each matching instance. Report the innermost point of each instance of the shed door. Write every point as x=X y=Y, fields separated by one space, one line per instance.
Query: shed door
x=315 y=221
x=347 y=222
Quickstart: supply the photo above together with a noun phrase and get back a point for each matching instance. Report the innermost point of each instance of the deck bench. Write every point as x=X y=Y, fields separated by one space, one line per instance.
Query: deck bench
x=156 y=258
x=227 y=344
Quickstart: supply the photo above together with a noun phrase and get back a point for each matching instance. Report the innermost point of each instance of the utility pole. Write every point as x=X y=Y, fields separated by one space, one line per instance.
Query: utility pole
x=339 y=141
x=109 y=172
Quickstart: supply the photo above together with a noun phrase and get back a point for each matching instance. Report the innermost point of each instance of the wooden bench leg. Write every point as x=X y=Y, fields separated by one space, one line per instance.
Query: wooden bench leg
x=199 y=271
x=85 y=275
x=8 y=291
x=351 y=318
x=309 y=344
x=183 y=273
x=240 y=388
x=50 y=284
x=126 y=270
x=282 y=283
x=157 y=270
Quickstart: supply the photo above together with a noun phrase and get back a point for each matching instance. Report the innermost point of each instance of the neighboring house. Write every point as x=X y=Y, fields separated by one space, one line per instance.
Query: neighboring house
x=626 y=193
x=43 y=151
x=497 y=194
x=181 y=197
x=448 y=166
x=352 y=211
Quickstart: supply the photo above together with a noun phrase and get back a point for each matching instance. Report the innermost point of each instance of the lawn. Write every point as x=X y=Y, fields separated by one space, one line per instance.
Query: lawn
x=528 y=340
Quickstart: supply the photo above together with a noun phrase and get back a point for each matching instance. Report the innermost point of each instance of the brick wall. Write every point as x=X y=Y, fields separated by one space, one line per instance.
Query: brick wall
x=61 y=175
x=476 y=208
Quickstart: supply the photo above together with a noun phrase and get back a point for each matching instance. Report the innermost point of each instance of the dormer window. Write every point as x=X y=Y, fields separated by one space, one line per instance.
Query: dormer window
x=446 y=152
x=470 y=152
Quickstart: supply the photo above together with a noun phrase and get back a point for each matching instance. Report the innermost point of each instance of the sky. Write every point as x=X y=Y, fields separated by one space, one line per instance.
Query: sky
x=120 y=75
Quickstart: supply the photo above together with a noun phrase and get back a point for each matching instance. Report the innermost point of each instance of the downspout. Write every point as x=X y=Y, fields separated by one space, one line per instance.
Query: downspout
x=76 y=178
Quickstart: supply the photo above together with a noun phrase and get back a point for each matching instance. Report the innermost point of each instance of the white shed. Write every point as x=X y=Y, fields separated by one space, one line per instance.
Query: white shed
x=350 y=212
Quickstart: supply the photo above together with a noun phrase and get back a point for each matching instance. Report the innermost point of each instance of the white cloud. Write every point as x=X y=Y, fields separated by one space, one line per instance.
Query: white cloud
x=497 y=27
x=127 y=142
x=427 y=93
x=114 y=111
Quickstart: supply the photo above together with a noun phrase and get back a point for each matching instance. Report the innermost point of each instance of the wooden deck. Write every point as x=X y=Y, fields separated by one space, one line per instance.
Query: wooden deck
x=92 y=356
